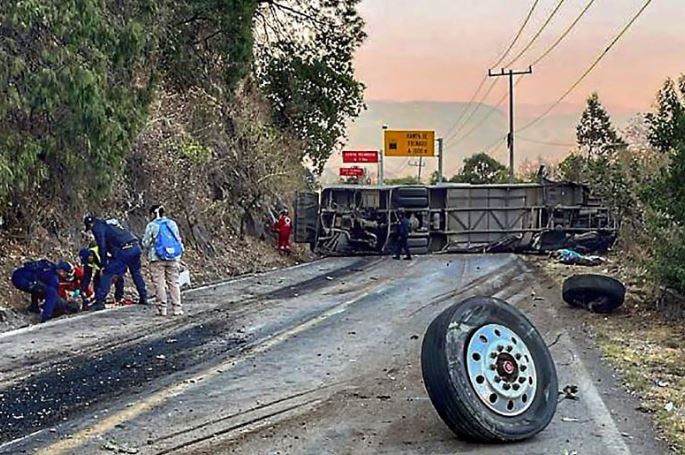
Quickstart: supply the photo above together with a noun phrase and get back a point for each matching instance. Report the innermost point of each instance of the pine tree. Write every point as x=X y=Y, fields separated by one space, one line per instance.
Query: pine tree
x=667 y=124
x=595 y=132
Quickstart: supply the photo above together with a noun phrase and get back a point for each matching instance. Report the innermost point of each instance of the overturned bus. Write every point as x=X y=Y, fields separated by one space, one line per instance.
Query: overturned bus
x=355 y=219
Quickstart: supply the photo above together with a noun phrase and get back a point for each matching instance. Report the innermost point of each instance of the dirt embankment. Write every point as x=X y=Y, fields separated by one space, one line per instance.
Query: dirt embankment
x=645 y=347
x=222 y=172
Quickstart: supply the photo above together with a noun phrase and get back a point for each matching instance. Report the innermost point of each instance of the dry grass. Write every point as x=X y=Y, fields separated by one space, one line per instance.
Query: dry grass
x=646 y=351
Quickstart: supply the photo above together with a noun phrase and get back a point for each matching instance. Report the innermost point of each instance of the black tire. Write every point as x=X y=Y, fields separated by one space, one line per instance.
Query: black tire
x=597 y=293
x=418 y=245
x=411 y=191
x=413 y=202
x=445 y=374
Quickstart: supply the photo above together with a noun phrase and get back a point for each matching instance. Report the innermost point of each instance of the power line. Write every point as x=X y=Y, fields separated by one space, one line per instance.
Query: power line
x=484 y=118
x=485 y=78
x=564 y=34
x=589 y=70
x=537 y=35
x=451 y=136
x=518 y=35
x=525 y=49
x=553 y=144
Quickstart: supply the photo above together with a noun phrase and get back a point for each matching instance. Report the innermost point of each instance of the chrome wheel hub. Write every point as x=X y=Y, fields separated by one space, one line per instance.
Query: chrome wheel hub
x=501 y=370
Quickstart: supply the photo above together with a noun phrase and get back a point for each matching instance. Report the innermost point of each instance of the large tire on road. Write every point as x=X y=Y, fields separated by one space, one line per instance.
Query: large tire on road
x=597 y=293
x=488 y=372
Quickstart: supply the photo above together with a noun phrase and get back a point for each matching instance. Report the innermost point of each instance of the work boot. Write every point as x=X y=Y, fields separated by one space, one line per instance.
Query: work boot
x=99 y=306
x=142 y=302
x=395 y=257
x=408 y=258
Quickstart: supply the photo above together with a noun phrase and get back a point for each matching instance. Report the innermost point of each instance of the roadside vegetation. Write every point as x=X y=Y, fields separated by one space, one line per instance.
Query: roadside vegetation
x=640 y=174
x=220 y=110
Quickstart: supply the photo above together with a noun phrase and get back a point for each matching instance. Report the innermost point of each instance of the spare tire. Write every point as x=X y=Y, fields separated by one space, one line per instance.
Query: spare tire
x=597 y=293
x=411 y=202
x=488 y=372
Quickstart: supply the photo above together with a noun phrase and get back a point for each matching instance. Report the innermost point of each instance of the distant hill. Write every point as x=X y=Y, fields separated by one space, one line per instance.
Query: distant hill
x=558 y=128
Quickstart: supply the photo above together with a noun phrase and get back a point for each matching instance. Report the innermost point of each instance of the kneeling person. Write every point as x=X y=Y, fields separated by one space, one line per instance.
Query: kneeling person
x=41 y=279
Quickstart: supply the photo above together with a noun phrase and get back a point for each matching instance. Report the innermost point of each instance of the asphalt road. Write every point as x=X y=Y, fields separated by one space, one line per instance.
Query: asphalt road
x=320 y=358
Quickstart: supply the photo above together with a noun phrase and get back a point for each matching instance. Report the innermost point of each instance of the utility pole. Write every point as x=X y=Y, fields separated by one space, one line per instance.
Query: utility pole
x=381 y=171
x=510 y=138
x=439 y=161
x=418 y=164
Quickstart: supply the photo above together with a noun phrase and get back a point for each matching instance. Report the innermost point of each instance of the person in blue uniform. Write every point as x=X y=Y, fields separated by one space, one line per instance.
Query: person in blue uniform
x=41 y=280
x=402 y=240
x=92 y=267
x=119 y=251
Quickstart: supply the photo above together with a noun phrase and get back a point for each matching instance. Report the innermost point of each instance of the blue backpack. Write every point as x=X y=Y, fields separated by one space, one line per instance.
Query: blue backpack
x=167 y=246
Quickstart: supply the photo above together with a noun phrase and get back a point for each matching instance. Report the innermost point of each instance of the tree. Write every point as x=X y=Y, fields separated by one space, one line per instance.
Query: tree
x=594 y=131
x=667 y=124
x=481 y=168
x=74 y=92
x=409 y=180
x=305 y=68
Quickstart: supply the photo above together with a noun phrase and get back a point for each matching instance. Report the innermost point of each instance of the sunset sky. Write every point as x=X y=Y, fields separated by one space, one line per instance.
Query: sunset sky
x=438 y=50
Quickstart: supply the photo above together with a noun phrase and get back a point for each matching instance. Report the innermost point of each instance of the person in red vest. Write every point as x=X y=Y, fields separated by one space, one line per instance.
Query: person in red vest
x=284 y=226
x=71 y=285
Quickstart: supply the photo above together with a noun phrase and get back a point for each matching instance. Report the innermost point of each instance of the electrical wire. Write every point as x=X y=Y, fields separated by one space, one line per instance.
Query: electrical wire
x=537 y=35
x=485 y=78
x=589 y=70
x=566 y=32
x=548 y=51
x=553 y=144
x=512 y=61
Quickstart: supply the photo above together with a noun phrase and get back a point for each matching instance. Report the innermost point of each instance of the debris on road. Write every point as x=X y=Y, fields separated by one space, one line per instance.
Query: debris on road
x=569 y=392
x=114 y=446
x=570 y=419
x=596 y=293
x=571 y=257
x=502 y=357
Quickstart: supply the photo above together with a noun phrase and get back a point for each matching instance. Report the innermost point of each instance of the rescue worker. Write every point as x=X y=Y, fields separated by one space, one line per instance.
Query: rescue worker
x=402 y=240
x=124 y=248
x=92 y=272
x=164 y=247
x=70 y=289
x=41 y=280
x=284 y=227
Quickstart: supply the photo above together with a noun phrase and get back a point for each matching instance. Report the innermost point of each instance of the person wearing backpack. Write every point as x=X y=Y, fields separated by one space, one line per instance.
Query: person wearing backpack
x=164 y=247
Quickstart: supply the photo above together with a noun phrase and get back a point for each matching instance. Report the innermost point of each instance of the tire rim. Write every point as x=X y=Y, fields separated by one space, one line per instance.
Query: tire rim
x=501 y=370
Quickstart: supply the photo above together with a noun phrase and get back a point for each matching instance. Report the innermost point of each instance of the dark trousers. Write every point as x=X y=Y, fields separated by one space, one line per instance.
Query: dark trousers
x=122 y=260
x=118 y=285
x=402 y=244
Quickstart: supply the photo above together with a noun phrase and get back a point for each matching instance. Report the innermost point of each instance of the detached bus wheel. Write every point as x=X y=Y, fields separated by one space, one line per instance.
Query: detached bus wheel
x=488 y=372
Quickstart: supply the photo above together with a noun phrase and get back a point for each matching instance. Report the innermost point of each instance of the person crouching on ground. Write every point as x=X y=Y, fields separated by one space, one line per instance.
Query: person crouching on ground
x=41 y=280
x=92 y=273
x=164 y=247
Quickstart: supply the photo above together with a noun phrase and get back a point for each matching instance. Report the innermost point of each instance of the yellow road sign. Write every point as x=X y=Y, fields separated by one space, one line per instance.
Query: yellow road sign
x=409 y=143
